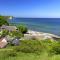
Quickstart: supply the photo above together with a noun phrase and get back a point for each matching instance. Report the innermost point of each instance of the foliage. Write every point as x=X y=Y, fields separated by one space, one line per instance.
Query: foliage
x=15 y=34
x=11 y=53
x=3 y=21
x=31 y=46
x=6 y=54
x=0 y=33
x=55 y=49
x=22 y=28
x=4 y=33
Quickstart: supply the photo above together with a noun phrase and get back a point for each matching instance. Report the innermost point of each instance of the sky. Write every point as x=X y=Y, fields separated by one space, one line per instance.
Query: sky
x=31 y=8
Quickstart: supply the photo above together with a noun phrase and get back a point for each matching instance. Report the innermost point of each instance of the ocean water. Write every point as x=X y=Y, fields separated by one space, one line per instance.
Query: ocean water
x=48 y=25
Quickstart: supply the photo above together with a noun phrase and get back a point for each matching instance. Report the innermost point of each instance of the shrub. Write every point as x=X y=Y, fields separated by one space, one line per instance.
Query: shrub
x=3 y=21
x=22 y=28
x=15 y=34
x=4 y=33
x=55 y=49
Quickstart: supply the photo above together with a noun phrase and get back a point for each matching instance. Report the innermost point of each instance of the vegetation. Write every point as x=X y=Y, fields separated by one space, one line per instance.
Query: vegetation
x=3 y=21
x=32 y=50
x=4 y=33
x=28 y=49
x=15 y=34
x=23 y=29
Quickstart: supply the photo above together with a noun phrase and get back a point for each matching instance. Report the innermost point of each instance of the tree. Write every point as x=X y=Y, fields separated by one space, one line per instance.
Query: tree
x=22 y=28
x=3 y=21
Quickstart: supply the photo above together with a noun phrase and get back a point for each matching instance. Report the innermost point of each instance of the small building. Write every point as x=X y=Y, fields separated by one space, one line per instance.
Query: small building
x=3 y=42
x=9 y=28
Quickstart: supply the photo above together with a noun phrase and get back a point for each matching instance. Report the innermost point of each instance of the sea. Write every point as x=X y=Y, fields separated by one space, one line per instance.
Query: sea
x=47 y=25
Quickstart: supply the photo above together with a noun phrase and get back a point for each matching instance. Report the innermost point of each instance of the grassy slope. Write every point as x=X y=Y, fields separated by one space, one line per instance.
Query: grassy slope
x=31 y=56
x=25 y=51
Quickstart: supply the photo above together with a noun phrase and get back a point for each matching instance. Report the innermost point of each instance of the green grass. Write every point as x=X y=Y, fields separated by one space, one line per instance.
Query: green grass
x=32 y=56
x=32 y=50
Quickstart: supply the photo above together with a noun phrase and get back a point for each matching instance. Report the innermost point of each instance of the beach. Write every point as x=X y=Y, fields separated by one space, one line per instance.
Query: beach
x=39 y=35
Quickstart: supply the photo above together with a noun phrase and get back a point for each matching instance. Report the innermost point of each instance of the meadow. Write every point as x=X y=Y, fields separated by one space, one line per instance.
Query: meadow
x=32 y=50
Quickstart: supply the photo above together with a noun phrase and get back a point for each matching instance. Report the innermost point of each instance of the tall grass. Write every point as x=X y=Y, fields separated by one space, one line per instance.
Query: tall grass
x=32 y=50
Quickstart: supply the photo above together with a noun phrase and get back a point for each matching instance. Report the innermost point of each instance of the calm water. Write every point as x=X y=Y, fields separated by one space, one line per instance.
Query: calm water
x=49 y=25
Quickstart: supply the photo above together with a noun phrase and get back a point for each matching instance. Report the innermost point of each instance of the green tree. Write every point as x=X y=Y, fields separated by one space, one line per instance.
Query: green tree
x=3 y=21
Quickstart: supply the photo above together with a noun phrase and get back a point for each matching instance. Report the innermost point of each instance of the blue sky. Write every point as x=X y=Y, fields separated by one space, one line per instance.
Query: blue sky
x=31 y=8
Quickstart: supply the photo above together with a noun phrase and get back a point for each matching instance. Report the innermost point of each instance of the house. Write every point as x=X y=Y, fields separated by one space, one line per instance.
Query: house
x=9 y=28
x=3 y=42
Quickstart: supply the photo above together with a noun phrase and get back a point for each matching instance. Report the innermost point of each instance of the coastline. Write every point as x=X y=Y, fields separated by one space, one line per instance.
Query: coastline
x=40 y=35
x=31 y=31
x=43 y=33
x=49 y=25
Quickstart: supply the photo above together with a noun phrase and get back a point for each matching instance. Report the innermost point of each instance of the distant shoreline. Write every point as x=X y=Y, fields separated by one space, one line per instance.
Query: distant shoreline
x=42 y=33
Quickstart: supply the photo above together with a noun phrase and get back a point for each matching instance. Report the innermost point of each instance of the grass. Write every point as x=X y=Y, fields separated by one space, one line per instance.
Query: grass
x=32 y=50
x=32 y=56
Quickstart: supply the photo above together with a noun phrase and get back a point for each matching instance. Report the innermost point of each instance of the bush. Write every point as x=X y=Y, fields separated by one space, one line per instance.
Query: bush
x=3 y=21
x=22 y=28
x=15 y=34
x=55 y=49
x=4 y=33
